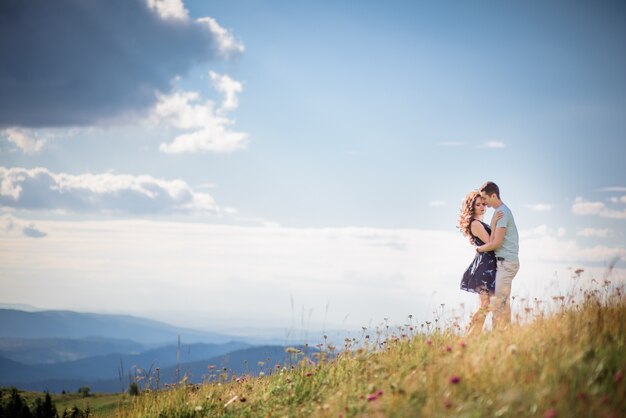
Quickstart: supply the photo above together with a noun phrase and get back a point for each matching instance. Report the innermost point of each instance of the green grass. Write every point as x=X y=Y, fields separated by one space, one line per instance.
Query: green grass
x=100 y=404
x=567 y=363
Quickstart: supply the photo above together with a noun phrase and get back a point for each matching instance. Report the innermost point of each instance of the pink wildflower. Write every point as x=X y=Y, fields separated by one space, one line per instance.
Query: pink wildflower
x=550 y=413
x=429 y=342
x=448 y=348
x=618 y=377
x=455 y=379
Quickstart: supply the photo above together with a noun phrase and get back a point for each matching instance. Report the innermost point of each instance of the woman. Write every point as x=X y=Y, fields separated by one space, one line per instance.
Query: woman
x=480 y=276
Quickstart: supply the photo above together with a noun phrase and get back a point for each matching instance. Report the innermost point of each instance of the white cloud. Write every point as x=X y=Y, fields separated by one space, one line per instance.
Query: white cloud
x=613 y=189
x=212 y=138
x=494 y=144
x=210 y=128
x=538 y=231
x=436 y=203
x=7 y=223
x=26 y=140
x=39 y=188
x=227 y=44
x=229 y=88
x=585 y=207
x=169 y=9
x=540 y=207
x=594 y=232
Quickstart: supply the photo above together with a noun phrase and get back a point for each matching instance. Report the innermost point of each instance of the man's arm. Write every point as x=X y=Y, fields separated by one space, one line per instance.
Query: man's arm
x=495 y=244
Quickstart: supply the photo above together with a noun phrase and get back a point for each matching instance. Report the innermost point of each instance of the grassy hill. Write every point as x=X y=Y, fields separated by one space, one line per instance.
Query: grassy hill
x=570 y=362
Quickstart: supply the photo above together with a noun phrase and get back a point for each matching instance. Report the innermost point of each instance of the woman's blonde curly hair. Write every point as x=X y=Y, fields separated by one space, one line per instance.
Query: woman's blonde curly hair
x=467 y=214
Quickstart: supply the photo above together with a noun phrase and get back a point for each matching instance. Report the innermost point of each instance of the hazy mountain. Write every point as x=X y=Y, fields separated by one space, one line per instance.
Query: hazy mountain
x=20 y=307
x=75 y=325
x=109 y=366
x=239 y=362
x=54 y=350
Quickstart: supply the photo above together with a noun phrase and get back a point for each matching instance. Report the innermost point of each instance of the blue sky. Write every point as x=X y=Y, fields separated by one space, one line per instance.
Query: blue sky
x=314 y=152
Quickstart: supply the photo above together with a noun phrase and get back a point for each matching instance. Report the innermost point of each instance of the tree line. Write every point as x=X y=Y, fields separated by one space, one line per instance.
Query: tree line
x=13 y=406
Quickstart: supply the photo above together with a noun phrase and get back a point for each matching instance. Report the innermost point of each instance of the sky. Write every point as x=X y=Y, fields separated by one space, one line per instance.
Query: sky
x=237 y=165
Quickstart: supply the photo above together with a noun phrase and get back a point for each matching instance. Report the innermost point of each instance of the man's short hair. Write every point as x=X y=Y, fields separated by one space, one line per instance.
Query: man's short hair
x=490 y=188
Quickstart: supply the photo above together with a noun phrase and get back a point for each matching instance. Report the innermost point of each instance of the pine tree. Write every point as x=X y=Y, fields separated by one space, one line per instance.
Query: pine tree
x=16 y=407
x=46 y=409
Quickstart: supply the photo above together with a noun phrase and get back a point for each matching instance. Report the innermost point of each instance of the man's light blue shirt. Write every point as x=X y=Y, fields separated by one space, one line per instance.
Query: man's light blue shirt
x=509 y=249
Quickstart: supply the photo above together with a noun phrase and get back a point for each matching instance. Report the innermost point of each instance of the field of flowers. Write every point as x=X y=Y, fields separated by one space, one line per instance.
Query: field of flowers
x=564 y=361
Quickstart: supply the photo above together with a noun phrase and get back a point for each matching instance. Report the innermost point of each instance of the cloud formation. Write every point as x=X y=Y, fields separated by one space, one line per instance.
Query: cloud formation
x=208 y=129
x=25 y=140
x=613 y=189
x=594 y=232
x=539 y=207
x=436 y=203
x=585 y=207
x=494 y=144
x=10 y=225
x=40 y=189
x=77 y=63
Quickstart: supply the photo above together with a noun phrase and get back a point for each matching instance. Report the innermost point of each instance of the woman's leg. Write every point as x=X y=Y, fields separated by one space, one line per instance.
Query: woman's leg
x=478 y=319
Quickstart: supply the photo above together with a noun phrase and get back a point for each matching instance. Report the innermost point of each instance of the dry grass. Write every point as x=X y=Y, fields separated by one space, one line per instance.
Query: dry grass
x=568 y=362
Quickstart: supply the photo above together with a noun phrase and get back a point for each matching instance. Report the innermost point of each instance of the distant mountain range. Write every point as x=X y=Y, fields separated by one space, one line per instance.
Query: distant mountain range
x=68 y=324
x=69 y=377
x=63 y=350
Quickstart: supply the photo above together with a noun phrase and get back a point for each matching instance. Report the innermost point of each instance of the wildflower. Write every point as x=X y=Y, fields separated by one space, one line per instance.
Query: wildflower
x=429 y=342
x=198 y=408
x=448 y=348
x=309 y=374
x=550 y=413
x=372 y=397
x=447 y=403
x=462 y=344
x=455 y=379
x=512 y=349
x=618 y=377
x=581 y=395
x=379 y=393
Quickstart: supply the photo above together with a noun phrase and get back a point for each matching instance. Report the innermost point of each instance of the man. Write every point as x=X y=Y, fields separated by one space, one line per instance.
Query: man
x=505 y=242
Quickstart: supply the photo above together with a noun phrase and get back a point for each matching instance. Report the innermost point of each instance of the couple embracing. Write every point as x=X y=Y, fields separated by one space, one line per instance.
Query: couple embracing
x=496 y=262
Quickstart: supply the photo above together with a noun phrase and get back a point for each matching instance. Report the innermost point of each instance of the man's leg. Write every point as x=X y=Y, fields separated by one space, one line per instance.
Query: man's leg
x=501 y=301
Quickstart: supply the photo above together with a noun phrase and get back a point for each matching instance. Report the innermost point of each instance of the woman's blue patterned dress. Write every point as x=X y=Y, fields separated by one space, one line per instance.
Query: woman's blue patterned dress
x=480 y=276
